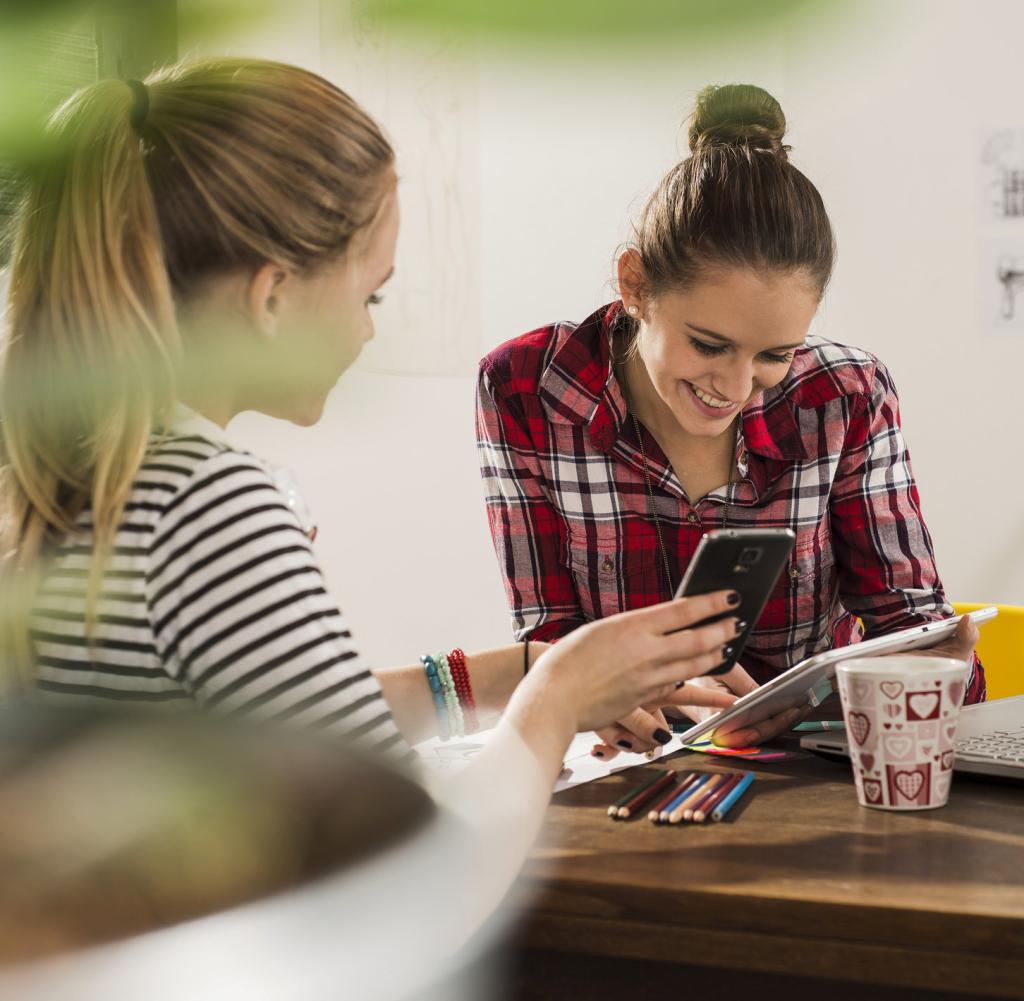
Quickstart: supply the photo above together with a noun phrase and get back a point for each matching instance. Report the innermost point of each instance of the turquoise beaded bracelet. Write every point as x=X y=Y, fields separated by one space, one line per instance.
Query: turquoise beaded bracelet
x=437 y=694
x=456 y=720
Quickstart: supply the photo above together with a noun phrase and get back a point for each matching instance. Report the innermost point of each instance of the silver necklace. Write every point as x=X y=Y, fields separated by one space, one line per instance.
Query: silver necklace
x=654 y=509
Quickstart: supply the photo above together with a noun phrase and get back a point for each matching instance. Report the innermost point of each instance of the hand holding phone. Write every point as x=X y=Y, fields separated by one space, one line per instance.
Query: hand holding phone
x=745 y=560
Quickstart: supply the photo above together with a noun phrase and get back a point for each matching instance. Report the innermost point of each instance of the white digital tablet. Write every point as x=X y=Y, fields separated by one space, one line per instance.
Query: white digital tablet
x=810 y=681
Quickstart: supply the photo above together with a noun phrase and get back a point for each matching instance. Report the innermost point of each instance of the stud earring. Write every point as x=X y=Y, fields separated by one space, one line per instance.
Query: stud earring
x=633 y=310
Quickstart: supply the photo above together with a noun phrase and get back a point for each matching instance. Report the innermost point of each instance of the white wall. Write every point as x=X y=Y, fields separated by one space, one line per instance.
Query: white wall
x=884 y=104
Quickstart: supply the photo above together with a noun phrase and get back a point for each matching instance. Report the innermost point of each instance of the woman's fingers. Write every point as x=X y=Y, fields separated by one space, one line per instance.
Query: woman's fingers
x=652 y=731
x=698 y=695
x=765 y=730
x=737 y=680
x=604 y=752
x=960 y=646
x=685 y=670
x=713 y=638
x=623 y=738
x=681 y=613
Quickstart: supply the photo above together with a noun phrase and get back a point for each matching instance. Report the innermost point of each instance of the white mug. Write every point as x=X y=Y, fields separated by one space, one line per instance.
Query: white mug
x=901 y=715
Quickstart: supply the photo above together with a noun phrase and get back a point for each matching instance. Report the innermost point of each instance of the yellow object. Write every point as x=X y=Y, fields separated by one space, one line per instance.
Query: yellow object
x=1001 y=649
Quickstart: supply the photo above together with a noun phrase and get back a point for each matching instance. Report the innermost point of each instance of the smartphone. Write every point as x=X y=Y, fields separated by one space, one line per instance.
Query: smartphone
x=745 y=560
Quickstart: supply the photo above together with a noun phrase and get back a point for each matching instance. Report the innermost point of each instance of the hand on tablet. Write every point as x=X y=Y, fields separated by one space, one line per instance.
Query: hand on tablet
x=646 y=728
x=960 y=646
x=739 y=682
x=758 y=733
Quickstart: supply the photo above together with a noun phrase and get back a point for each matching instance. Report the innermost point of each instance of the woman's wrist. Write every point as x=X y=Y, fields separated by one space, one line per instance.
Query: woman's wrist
x=543 y=712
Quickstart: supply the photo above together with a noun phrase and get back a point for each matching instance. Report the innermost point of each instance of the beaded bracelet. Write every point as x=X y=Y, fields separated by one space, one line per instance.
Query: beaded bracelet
x=463 y=688
x=456 y=720
x=436 y=692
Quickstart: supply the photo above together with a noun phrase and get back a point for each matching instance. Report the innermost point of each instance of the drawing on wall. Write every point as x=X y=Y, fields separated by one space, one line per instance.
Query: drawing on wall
x=1001 y=232
x=1001 y=284
x=425 y=94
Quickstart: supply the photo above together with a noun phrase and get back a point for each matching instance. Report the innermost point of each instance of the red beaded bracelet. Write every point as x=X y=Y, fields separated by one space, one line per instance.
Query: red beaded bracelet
x=463 y=688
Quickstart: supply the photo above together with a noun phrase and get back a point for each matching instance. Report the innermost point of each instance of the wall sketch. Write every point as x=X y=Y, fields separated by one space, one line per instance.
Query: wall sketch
x=1001 y=232
x=425 y=94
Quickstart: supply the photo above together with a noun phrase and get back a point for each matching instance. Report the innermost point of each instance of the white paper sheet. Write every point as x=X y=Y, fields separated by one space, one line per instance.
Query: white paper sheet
x=579 y=765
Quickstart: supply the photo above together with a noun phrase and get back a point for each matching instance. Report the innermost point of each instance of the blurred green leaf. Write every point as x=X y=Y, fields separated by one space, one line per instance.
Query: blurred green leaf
x=588 y=20
x=214 y=19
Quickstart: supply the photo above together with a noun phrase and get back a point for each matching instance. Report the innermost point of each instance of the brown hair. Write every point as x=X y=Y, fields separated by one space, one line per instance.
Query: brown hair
x=214 y=165
x=736 y=201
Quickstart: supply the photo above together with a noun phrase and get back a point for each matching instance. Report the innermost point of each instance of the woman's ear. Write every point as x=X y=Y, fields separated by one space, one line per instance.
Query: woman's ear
x=631 y=281
x=263 y=297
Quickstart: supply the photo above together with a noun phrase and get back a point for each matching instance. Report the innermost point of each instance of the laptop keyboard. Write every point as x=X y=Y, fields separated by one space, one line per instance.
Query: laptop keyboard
x=998 y=745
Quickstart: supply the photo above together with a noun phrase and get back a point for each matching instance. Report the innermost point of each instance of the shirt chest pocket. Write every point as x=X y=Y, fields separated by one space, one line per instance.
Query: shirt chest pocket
x=613 y=568
x=797 y=616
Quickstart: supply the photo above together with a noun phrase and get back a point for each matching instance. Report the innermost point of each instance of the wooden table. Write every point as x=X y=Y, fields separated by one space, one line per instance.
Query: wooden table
x=798 y=887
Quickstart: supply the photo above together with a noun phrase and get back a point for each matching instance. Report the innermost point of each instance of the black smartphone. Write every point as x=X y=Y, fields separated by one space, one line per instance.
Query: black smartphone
x=745 y=560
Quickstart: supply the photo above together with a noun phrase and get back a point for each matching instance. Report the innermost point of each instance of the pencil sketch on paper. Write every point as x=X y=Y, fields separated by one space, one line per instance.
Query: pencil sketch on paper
x=425 y=96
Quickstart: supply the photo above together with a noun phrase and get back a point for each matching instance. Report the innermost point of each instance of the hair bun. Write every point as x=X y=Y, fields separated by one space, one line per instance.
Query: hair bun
x=738 y=114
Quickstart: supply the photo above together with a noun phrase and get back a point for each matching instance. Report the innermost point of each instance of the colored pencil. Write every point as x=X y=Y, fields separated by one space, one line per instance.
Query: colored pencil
x=646 y=794
x=715 y=782
x=675 y=814
x=659 y=804
x=613 y=810
x=704 y=808
x=624 y=799
x=683 y=795
x=727 y=804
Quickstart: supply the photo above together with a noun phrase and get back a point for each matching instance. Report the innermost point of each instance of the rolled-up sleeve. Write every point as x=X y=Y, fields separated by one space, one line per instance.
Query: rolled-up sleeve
x=887 y=571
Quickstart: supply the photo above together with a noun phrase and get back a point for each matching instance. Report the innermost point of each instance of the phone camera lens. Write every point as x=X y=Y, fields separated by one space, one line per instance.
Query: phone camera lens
x=749 y=556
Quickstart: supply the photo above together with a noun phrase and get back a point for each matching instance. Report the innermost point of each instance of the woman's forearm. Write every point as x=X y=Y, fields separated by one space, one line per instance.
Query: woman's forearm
x=494 y=675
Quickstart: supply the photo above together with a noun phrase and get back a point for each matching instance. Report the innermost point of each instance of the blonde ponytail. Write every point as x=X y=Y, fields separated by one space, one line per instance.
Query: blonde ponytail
x=90 y=345
x=236 y=163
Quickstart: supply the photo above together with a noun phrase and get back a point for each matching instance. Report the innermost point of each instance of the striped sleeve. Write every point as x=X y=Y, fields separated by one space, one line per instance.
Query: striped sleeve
x=240 y=613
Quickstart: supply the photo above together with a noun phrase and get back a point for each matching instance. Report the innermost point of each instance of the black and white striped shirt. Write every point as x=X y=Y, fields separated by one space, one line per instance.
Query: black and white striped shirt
x=212 y=596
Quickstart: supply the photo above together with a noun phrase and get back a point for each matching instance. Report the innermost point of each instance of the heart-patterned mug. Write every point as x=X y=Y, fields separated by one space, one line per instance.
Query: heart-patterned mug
x=901 y=714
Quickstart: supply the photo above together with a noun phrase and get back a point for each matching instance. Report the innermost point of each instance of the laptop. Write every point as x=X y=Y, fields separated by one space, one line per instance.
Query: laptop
x=989 y=740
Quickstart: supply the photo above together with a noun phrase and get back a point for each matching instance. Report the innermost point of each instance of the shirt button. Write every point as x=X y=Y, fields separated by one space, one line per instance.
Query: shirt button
x=692 y=518
x=607 y=564
x=794 y=572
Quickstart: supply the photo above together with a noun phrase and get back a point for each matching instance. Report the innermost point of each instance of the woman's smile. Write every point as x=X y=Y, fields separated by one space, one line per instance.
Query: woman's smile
x=707 y=404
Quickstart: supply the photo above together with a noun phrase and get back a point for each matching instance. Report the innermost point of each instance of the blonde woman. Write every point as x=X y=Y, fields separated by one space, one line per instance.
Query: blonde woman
x=207 y=242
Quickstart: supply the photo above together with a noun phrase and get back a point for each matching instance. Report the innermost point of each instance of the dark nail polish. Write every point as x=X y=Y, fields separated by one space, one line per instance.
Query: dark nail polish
x=740 y=626
x=626 y=744
x=726 y=652
x=662 y=736
x=734 y=598
x=598 y=754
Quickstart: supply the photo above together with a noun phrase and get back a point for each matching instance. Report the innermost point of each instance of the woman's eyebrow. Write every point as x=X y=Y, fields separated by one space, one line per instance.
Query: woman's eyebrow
x=703 y=331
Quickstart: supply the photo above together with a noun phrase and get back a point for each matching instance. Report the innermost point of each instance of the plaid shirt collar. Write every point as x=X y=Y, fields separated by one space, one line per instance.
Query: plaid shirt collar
x=579 y=386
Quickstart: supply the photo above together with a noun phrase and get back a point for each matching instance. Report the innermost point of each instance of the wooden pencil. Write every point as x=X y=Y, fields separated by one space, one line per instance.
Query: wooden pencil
x=613 y=810
x=732 y=796
x=675 y=810
x=713 y=783
x=646 y=794
x=704 y=808
x=658 y=805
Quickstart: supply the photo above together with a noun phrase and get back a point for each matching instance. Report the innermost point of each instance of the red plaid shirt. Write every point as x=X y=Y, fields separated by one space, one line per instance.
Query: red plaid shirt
x=822 y=453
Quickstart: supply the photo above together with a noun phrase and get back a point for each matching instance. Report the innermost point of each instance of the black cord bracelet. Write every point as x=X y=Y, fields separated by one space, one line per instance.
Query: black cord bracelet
x=526 y=657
